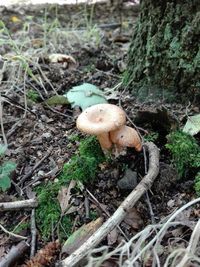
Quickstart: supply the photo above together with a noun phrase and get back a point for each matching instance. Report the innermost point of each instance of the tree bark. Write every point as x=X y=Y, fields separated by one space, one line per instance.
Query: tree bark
x=164 y=56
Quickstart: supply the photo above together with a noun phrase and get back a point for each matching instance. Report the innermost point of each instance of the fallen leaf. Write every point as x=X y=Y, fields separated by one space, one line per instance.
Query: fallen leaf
x=133 y=219
x=15 y=19
x=68 y=62
x=85 y=95
x=64 y=196
x=57 y=100
x=192 y=125
x=112 y=237
x=80 y=236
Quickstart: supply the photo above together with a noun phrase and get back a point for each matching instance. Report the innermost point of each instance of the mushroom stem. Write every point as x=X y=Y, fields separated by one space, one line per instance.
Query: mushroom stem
x=104 y=140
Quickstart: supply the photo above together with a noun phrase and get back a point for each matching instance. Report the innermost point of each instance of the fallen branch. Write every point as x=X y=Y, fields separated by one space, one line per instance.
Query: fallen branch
x=21 y=204
x=121 y=212
x=14 y=254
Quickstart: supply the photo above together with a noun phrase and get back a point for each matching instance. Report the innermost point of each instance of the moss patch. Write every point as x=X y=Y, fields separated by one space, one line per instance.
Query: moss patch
x=185 y=152
x=164 y=55
x=82 y=167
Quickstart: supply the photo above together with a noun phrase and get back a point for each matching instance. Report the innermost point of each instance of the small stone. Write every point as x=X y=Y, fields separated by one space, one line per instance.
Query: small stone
x=128 y=181
x=47 y=136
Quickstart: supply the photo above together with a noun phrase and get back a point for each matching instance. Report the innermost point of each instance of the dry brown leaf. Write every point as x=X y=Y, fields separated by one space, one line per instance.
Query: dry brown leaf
x=80 y=236
x=64 y=196
x=133 y=219
x=68 y=62
x=112 y=237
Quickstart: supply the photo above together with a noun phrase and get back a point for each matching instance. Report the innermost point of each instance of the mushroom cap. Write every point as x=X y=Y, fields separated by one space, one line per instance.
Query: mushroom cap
x=100 y=119
x=126 y=137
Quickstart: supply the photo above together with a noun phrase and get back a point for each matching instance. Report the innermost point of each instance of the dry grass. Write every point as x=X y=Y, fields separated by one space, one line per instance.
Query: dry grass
x=146 y=246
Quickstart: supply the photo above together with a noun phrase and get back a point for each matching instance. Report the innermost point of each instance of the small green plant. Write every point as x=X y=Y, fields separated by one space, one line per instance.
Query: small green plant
x=151 y=137
x=185 y=151
x=20 y=227
x=6 y=168
x=82 y=167
x=33 y=95
x=197 y=184
x=93 y=215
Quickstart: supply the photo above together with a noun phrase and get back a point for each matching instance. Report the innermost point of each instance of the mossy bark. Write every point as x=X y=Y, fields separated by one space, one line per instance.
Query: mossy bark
x=164 y=55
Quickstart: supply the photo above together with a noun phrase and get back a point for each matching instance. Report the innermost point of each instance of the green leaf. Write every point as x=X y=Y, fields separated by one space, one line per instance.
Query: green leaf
x=7 y=168
x=57 y=100
x=85 y=95
x=192 y=125
x=3 y=149
x=5 y=182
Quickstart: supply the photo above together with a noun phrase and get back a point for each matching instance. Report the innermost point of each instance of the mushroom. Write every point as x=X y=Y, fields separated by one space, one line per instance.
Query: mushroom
x=126 y=136
x=99 y=120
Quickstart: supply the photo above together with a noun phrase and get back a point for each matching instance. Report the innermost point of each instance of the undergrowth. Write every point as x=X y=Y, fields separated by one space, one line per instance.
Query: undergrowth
x=6 y=169
x=82 y=167
x=186 y=155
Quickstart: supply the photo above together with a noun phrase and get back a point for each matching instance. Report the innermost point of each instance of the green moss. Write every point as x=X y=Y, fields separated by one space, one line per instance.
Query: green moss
x=185 y=152
x=20 y=227
x=164 y=52
x=82 y=167
x=151 y=137
x=197 y=184
x=33 y=95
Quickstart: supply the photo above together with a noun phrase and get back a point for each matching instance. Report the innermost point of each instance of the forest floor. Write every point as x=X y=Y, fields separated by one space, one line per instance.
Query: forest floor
x=42 y=138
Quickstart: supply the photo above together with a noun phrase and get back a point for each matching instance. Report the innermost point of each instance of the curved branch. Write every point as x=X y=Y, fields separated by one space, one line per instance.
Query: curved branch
x=121 y=212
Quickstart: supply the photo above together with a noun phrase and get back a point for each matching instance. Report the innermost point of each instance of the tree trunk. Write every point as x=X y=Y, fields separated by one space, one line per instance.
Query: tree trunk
x=164 y=56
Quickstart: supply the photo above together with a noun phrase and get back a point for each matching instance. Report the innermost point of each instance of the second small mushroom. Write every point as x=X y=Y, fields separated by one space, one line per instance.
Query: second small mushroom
x=126 y=136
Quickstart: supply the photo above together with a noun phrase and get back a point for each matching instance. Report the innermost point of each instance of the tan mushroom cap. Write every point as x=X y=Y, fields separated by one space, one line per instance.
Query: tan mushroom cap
x=100 y=119
x=126 y=137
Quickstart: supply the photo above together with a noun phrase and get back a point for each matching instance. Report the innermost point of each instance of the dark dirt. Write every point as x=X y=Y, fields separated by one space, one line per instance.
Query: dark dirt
x=39 y=131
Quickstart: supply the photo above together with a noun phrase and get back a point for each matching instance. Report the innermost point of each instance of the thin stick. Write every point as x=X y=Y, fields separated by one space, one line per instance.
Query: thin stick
x=11 y=233
x=26 y=176
x=121 y=212
x=1 y=120
x=190 y=250
x=106 y=212
x=22 y=204
x=33 y=233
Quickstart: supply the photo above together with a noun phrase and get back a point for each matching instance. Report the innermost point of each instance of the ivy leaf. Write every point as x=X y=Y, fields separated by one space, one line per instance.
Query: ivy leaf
x=3 y=149
x=5 y=182
x=7 y=168
x=192 y=125
x=85 y=95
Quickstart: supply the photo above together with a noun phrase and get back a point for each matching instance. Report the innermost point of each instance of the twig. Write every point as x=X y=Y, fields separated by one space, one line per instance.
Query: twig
x=26 y=176
x=21 y=204
x=14 y=254
x=33 y=233
x=162 y=231
x=1 y=121
x=105 y=211
x=11 y=233
x=121 y=212
x=87 y=207
x=190 y=250
x=14 y=127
